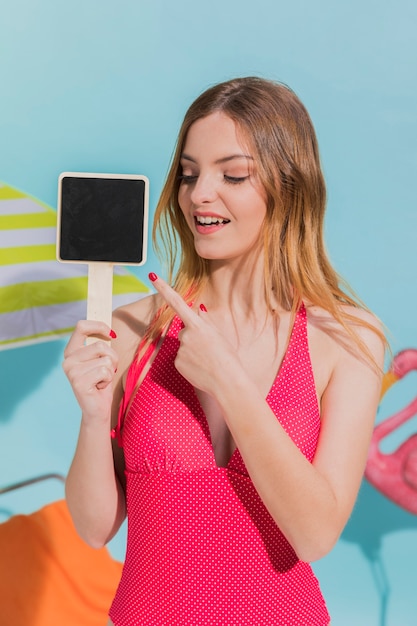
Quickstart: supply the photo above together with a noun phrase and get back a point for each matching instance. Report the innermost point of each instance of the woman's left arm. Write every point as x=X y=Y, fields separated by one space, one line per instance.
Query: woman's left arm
x=310 y=502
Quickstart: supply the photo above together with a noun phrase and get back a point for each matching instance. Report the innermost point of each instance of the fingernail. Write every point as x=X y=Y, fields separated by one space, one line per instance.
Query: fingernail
x=203 y=308
x=152 y=276
x=112 y=334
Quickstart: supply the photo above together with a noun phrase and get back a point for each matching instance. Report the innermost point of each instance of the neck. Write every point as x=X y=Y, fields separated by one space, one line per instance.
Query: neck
x=238 y=287
x=236 y=300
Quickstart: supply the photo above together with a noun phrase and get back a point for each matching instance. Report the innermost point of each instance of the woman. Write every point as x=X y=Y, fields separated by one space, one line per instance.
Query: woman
x=247 y=392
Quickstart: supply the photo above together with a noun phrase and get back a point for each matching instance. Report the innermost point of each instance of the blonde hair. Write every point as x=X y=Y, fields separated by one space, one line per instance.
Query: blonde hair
x=278 y=130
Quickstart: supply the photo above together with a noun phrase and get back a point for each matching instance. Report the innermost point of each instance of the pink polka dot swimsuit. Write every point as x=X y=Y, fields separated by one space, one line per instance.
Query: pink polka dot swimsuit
x=202 y=549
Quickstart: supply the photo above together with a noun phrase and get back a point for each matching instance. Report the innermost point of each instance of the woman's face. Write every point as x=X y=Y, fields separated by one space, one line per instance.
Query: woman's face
x=221 y=199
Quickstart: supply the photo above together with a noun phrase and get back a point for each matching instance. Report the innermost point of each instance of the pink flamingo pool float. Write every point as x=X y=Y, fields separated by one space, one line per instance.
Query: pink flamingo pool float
x=395 y=474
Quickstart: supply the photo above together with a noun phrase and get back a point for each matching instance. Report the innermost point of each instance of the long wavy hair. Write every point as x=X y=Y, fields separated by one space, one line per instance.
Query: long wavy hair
x=277 y=128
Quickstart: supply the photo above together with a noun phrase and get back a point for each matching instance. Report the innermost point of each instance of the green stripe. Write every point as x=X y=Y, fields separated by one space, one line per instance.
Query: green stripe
x=50 y=292
x=27 y=254
x=28 y=220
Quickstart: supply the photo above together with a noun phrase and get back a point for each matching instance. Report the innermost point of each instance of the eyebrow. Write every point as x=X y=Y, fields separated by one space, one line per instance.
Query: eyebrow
x=232 y=157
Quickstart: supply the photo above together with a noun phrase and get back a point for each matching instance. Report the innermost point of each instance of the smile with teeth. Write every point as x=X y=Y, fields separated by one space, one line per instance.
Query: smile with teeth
x=209 y=220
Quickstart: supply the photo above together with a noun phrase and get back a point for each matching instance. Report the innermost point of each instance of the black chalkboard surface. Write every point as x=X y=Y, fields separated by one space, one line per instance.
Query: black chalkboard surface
x=102 y=221
x=102 y=218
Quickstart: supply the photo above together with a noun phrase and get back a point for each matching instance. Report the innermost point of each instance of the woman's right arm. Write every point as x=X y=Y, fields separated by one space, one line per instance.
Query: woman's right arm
x=95 y=481
x=93 y=491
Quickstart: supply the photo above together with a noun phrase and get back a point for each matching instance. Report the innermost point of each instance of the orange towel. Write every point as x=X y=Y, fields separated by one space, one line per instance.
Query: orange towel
x=49 y=576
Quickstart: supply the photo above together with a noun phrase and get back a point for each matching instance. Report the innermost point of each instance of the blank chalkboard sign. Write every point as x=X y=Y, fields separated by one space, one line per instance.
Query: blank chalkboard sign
x=102 y=221
x=102 y=218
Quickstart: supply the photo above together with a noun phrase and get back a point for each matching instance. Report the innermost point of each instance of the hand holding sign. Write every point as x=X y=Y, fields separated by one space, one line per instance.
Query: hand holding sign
x=90 y=369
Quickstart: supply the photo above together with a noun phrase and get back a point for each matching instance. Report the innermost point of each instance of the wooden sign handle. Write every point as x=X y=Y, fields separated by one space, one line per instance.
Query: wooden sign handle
x=99 y=295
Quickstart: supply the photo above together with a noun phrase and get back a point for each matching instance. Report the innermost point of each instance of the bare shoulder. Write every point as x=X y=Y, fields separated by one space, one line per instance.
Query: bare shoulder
x=136 y=316
x=333 y=346
x=361 y=321
x=130 y=323
x=369 y=330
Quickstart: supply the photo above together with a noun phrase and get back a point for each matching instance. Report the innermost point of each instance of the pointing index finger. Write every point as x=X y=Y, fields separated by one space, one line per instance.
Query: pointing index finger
x=174 y=300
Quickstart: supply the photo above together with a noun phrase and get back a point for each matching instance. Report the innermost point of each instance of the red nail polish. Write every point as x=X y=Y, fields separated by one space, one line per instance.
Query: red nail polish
x=152 y=276
x=203 y=308
x=112 y=334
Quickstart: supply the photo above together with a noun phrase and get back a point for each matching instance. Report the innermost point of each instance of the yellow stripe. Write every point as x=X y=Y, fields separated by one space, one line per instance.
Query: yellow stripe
x=49 y=292
x=27 y=254
x=128 y=284
x=8 y=193
x=28 y=220
x=42 y=293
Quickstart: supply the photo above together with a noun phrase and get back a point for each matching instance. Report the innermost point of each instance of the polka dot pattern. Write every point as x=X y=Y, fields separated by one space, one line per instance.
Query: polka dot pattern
x=202 y=549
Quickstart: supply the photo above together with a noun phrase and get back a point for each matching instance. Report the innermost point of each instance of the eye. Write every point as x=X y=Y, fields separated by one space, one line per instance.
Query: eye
x=235 y=180
x=187 y=179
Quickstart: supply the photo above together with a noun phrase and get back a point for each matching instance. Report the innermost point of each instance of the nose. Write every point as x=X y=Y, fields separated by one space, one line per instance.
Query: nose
x=204 y=190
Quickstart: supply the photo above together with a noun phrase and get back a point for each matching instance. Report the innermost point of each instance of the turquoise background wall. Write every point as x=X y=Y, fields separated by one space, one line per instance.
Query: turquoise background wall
x=94 y=85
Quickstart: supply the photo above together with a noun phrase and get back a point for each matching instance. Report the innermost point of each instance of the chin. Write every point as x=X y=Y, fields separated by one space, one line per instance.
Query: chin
x=204 y=252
